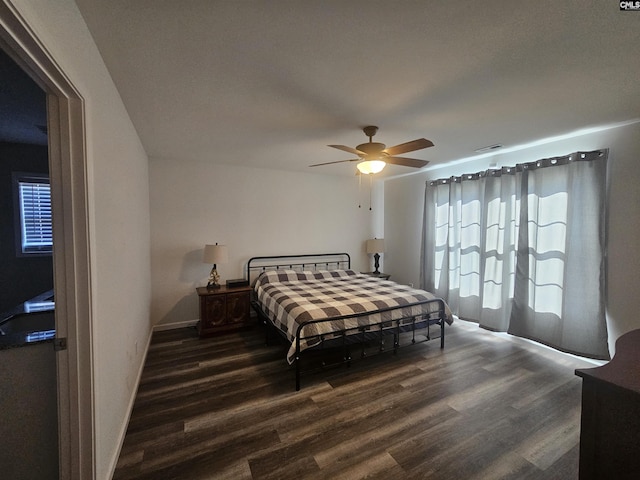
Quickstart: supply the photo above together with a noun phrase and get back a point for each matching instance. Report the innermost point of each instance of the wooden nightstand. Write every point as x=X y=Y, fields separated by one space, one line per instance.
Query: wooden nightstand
x=383 y=276
x=223 y=309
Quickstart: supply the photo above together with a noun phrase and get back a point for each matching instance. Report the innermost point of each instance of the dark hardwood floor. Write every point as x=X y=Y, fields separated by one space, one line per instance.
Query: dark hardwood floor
x=485 y=407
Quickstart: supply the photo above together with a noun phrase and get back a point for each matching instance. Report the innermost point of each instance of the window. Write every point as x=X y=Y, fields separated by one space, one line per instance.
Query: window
x=522 y=249
x=32 y=199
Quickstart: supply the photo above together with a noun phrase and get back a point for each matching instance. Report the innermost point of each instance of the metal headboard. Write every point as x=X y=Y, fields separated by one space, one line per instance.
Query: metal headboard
x=313 y=262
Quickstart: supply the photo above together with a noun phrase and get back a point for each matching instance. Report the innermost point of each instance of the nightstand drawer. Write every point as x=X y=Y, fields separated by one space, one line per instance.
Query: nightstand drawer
x=238 y=307
x=223 y=309
x=214 y=312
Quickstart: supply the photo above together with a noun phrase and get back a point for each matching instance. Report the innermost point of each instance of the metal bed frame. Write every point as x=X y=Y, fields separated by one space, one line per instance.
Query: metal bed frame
x=345 y=338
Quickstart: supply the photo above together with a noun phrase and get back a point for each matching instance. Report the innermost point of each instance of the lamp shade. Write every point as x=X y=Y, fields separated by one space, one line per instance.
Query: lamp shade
x=371 y=166
x=375 y=245
x=215 y=254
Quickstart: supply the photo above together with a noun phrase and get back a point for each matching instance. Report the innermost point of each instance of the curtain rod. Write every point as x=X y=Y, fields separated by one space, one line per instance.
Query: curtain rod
x=519 y=167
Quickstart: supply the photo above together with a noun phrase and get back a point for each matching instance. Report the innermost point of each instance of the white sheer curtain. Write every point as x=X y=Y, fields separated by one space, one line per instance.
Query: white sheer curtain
x=522 y=249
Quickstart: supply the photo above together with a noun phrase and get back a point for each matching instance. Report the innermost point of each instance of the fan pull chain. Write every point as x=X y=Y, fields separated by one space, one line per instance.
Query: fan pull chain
x=359 y=190
x=370 y=189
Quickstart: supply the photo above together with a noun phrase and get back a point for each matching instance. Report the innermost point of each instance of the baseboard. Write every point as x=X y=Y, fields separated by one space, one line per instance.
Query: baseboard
x=173 y=326
x=125 y=425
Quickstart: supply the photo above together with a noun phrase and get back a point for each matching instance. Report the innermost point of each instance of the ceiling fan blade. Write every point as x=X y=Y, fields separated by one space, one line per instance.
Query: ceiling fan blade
x=347 y=149
x=338 y=161
x=406 y=162
x=412 y=146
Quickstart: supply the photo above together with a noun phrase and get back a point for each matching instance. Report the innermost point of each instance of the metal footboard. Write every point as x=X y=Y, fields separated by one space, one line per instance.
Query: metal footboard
x=376 y=331
x=362 y=335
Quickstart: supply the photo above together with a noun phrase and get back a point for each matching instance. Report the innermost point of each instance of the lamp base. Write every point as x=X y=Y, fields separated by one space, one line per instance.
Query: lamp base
x=214 y=278
x=376 y=264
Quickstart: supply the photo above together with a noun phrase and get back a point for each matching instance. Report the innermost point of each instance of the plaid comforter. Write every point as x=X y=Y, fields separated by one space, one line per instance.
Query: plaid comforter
x=290 y=298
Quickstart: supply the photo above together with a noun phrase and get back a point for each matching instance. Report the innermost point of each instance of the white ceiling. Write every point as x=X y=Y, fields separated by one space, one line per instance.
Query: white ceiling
x=271 y=83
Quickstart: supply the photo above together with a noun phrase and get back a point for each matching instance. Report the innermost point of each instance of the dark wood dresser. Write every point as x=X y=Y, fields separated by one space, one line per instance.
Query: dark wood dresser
x=223 y=309
x=610 y=424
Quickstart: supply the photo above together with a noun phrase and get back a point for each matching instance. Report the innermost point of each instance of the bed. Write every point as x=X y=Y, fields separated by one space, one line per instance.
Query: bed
x=317 y=302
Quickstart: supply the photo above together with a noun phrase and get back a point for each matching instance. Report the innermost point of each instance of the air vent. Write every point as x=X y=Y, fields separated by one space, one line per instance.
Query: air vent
x=489 y=148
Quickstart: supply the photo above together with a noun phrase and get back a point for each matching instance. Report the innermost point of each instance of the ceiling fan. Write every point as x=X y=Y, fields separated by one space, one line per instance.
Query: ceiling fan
x=373 y=156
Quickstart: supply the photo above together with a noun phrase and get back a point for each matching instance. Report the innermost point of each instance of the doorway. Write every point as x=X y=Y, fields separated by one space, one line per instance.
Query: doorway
x=67 y=171
x=28 y=407
x=24 y=172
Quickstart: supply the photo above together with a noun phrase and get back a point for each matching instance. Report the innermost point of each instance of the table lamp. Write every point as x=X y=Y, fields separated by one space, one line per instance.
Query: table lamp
x=214 y=254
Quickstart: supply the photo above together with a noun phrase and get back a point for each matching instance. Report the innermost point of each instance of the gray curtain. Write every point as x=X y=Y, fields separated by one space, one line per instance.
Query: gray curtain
x=522 y=249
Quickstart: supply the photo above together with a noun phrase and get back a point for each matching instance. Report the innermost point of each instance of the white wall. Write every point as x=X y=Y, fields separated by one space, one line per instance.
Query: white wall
x=254 y=212
x=119 y=222
x=404 y=200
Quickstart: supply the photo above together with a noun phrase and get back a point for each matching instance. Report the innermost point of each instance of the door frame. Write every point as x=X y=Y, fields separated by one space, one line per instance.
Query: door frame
x=71 y=246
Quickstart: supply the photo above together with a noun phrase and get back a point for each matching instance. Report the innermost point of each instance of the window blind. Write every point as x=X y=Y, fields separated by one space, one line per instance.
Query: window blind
x=35 y=216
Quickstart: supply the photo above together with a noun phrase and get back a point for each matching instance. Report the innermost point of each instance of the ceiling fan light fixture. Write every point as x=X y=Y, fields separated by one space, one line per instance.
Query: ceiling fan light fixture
x=373 y=156
x=371 y=166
